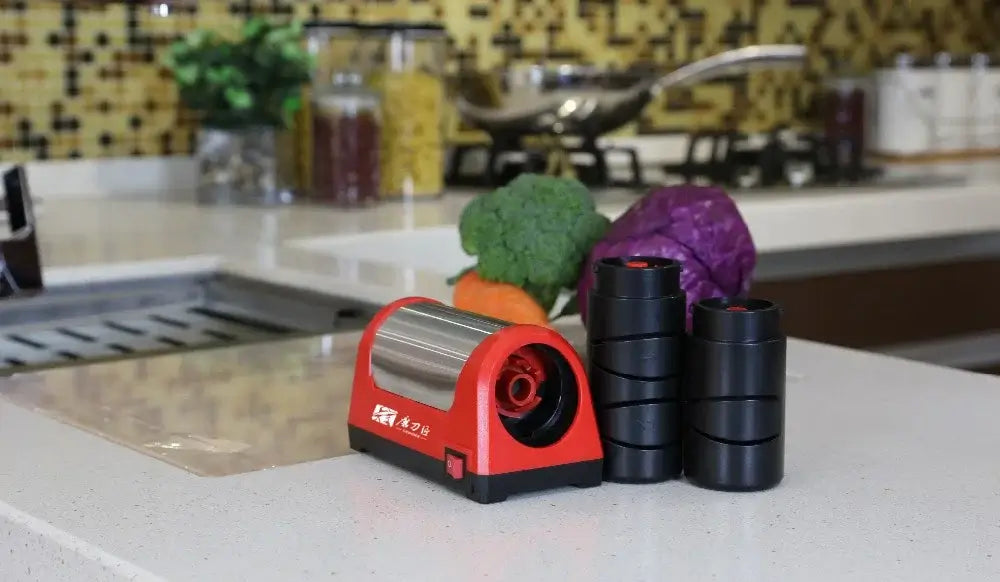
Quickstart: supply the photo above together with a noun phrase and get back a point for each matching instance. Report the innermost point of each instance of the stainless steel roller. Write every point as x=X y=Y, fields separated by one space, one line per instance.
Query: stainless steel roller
x=421 y=348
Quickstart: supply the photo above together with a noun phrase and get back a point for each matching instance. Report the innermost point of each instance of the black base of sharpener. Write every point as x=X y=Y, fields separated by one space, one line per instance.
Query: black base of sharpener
x=479 y=488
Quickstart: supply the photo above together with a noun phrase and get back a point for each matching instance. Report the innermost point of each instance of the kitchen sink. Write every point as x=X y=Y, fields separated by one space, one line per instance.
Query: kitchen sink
x=210 y=371
x=72 y=324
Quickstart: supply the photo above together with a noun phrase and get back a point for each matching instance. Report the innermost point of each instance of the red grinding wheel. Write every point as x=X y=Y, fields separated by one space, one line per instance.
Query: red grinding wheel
x=517 y=385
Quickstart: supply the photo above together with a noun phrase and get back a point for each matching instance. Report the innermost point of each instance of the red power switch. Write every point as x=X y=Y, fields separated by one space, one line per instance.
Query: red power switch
x=454 y=466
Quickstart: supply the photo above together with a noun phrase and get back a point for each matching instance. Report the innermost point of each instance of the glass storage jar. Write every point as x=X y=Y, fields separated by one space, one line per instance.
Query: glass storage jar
x=844 y=125
x=345 y=148
x=333 y=46
x=408 y=73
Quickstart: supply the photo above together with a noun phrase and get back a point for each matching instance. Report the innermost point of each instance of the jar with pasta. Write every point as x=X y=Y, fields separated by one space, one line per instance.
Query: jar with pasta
x=410 y=80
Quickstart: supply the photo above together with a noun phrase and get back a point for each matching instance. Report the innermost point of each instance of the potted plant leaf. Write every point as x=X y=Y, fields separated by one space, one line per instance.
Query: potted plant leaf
x=245 y=92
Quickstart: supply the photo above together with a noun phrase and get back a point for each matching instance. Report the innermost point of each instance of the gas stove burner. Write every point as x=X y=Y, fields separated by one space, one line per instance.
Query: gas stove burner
x=502 y=160
x=783 y=157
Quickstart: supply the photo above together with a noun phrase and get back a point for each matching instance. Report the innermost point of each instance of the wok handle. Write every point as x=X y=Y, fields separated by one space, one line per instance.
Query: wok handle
x=763 y=56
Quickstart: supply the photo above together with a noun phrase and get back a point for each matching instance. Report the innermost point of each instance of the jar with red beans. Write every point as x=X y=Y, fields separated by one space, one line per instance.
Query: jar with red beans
x=345 y=135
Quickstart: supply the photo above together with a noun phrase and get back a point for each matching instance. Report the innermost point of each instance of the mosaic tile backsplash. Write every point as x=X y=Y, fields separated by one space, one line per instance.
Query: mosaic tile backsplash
x=82 y=79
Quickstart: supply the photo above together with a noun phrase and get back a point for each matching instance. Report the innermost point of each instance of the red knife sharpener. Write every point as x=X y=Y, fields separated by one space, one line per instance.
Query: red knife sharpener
x=486 y=407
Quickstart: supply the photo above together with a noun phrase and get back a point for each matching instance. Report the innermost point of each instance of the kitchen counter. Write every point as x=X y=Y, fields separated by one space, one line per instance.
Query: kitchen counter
x=939 y=220
x=891 y=475
x=890 y=471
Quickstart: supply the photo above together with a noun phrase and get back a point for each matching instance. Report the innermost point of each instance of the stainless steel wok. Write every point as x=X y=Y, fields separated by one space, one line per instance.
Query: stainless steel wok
x=526 y=105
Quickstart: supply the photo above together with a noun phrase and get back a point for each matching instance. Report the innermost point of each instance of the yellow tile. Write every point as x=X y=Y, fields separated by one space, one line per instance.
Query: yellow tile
x=420 y=12
x=15 y=155
x=8 y=129
x=37 y=69
x=60 y=147
x=628 y=18
x=44 y=15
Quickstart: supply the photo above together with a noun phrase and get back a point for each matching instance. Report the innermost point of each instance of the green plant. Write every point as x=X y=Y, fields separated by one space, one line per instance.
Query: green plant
x=534 y=233
x=255 y=80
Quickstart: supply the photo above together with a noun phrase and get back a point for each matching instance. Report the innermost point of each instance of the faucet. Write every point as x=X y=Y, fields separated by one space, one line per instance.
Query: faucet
x=20 y=261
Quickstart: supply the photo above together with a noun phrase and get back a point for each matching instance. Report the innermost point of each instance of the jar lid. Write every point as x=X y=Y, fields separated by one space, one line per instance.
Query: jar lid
x=425 y=26
x=846 y=84
x=422 y=28
x=346 y=85
x=347 y=79
x=904 y=60
x=328 y=24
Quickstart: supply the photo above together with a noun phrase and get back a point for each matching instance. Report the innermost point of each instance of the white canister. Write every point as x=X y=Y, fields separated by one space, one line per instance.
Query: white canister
x=994 y=105
x=905 y=109
x=951 y=127
x=985 y=103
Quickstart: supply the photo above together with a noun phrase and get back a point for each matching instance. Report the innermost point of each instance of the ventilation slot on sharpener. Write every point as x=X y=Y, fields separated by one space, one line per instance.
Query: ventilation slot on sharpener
x=635 y=330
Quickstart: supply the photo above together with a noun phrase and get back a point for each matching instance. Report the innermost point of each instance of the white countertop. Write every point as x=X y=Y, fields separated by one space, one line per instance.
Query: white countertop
x=864 y=226
x=891 y=474
x=891 y=465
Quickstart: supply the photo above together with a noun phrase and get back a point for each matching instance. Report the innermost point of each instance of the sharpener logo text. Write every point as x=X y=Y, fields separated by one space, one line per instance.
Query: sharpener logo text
x=413 y=428
x=387 y=416
x=384 y=415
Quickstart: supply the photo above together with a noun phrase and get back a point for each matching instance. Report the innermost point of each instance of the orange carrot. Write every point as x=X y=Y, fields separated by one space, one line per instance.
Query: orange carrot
x=498 y=300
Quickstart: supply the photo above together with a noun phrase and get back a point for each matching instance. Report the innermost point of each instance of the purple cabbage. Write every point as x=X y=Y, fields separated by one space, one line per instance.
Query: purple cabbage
x=699 y=226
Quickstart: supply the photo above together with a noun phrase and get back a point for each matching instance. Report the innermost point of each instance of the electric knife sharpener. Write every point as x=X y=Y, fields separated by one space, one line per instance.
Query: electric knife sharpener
x=485 y=407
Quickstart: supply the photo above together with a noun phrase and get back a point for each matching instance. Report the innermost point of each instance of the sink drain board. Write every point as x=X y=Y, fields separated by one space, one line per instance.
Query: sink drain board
x=78 y=324
x=179 y=326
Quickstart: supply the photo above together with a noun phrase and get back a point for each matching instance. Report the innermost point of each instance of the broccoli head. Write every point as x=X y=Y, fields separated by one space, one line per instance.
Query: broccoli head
x=535 y=233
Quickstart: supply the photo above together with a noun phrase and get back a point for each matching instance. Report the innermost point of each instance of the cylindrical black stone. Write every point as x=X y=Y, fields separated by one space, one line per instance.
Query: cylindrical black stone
x=737 y=420
x=736 y=320
x=642 y=425
x=637 y=277
x=610 y=389
x=734 y=391
x=616 y=317
x=760 y=368
x=647 y=358
x=635 y=331
x=721 y=466
x=623 y=464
